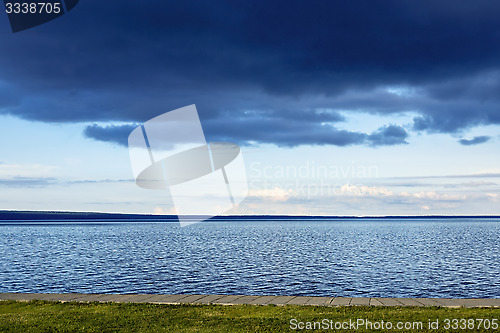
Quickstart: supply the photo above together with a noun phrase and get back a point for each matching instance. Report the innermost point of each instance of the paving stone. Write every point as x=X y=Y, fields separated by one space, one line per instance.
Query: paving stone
x=427 y=301
x=207 y=299
x=448 y=302
x=476 y=302
x=118 y=298
x=245 y=299
x=125 y=298
x=104 y=298
x=281 y=300
x=19 y=296
x=141 y=298
x=157 y=299
x=299 y=300
x=70 y=297
x=228 y=299
x=262 y=300
x=87 y=298
x=65 y=297
x=389 y=301
x=167 y=299
x=190 y=298
x=41 y=297
x=341 y=301
x=360 y=301
x=319 y=301
x=375 y=302
x=409 y=302
x=49 y=297
x=6 y=297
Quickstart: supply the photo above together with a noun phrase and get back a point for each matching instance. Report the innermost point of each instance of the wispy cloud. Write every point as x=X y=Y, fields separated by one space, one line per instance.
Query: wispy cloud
x=27 y=182
x=26 y=170
x=100 y=181
x=472 y=175
x=51 y=181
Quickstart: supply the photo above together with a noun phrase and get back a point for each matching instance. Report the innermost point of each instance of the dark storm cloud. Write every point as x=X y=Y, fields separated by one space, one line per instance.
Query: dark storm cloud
x=260 y=66
x=111 y=133
x=388 y=135
x=254 y=131
x=475 y=141
x=247 y=132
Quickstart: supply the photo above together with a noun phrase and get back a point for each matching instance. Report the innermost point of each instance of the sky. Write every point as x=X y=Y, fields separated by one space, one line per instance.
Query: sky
x=340 y=108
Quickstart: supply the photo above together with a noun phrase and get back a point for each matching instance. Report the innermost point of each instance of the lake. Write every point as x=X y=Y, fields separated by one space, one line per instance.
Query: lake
x=457 y=258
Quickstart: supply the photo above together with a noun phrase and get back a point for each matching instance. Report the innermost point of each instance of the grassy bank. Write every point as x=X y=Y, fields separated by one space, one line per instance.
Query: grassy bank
x=41 y=316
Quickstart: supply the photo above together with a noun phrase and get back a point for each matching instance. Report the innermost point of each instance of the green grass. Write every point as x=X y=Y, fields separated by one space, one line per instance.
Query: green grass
x=41 y=316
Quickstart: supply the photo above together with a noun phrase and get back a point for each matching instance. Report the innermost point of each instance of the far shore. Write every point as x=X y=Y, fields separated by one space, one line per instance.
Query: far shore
x=18 y=215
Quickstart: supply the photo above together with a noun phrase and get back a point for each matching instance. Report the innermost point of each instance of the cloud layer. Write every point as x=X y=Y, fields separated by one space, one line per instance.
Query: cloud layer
x=286 y=73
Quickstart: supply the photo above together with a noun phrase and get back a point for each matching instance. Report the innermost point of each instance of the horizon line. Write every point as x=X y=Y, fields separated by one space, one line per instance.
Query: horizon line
x=2 y=211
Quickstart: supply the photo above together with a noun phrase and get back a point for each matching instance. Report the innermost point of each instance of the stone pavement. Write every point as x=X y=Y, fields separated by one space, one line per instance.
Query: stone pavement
x=257 y=300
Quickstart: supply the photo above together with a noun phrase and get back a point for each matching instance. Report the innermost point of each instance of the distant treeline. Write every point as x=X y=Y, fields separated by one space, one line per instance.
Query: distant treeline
x=31 y=216
x=41 y=216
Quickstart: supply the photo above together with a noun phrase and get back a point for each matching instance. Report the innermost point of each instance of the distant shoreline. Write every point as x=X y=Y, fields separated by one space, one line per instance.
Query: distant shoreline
x=59 y=215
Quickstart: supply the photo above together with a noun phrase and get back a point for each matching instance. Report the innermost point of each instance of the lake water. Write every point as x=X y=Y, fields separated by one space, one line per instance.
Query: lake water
x=372 y=258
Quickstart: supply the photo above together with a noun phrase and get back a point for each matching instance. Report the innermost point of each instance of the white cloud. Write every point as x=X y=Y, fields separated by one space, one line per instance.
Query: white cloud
x=495 y=197
x=275 y=194
x=478 y=183
x=363 y=191
x=383 y=192
x=26 y=170
x=164 y=211
x=433 y=195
